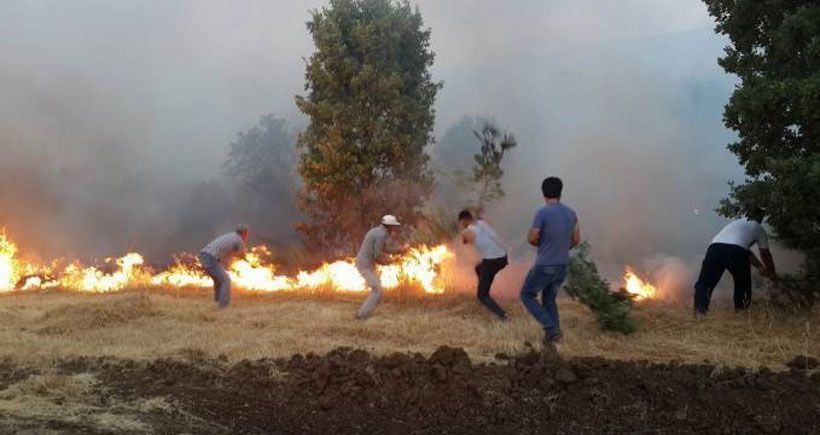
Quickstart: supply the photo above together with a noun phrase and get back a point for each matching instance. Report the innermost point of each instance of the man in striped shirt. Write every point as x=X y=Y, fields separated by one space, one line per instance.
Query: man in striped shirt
x=214 y=259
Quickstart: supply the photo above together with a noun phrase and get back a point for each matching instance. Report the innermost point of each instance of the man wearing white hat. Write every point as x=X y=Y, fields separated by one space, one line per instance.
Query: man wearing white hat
x=375 y=249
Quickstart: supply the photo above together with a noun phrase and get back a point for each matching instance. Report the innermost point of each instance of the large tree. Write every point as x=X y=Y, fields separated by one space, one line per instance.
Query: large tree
x=775 y=51
x=370 y=100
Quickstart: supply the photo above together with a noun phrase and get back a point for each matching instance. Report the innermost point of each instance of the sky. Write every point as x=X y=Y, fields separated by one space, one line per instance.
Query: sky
x=111 y=108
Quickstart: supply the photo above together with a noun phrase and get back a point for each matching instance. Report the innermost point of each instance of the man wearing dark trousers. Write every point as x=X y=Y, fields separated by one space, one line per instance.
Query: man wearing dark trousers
x=730 y=250
x=493 y=256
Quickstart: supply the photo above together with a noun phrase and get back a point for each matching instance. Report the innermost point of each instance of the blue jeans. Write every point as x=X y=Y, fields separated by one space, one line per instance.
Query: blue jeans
x=545 y=280
x=222 y=282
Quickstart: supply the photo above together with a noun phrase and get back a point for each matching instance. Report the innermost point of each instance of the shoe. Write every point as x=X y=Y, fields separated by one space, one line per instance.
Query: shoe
x=553 y=338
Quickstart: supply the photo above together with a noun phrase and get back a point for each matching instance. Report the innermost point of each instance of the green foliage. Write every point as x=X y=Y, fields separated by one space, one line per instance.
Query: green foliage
x=775 y=51
x=370 y=100
x=612 y=312
x=487 y=171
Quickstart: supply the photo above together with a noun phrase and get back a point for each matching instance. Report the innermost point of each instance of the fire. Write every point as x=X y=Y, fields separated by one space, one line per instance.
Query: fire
x=9 y=266
x=419 y=267
x=636 y=287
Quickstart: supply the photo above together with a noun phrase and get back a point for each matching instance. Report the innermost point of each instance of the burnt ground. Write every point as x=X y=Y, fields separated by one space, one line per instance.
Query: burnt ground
x=350 y=391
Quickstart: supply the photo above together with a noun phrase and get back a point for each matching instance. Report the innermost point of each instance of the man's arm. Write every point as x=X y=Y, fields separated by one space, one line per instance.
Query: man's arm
x=533 y=236
x=576 y=235
x=467 y=236
x=768 y=261
x=754 y=261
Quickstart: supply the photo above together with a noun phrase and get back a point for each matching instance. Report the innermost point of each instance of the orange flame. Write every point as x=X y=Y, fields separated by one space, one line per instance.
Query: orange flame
x=635 y=286
x=420 y=267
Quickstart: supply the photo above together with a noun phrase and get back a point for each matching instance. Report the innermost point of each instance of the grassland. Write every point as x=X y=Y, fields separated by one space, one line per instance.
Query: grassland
x=37 y=328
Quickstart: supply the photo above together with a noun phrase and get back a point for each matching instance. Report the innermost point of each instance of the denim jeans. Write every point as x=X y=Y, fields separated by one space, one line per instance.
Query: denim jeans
x=222 y=282
x=545 y=280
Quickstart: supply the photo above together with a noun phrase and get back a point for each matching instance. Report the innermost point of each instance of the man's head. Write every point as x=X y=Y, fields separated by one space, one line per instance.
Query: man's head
x=243 y=231
x=465 y=218
x=390 y=222
x=756 y=214
x=551 y=187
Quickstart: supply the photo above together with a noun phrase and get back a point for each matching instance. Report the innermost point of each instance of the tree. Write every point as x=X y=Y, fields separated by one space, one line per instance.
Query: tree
x=480 y=183
x=261 y=161
x=775 y=51
x=370 y=100
x=487 y=171
x=261 y=158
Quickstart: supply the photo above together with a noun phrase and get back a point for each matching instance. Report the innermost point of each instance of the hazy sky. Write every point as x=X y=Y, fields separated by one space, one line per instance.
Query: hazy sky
x=186 y=75
x=623 y=99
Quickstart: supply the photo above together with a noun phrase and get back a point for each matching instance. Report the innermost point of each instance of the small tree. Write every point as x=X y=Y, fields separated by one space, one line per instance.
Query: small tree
x=487 y=170
x=612 y=312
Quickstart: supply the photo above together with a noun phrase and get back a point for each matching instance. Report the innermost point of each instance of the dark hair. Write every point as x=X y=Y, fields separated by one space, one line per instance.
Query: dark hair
x=465 y=215
x=756 y=214
x=551 y=187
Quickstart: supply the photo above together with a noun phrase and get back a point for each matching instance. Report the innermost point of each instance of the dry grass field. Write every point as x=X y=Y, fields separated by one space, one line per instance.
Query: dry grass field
x=171 y=362
x=146 y=324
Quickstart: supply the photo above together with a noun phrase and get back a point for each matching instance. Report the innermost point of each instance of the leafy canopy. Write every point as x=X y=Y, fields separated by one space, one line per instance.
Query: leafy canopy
x=369 y=97
x=775 y=51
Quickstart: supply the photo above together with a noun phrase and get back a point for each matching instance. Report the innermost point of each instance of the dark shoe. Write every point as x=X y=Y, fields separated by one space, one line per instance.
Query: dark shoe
x=553 y=338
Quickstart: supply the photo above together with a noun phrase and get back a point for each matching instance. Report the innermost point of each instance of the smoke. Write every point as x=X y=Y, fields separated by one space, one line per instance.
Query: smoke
x=116 y=119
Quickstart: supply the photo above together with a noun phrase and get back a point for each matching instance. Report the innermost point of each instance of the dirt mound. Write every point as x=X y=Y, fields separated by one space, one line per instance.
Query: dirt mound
x=351 y=391
x=99 y=314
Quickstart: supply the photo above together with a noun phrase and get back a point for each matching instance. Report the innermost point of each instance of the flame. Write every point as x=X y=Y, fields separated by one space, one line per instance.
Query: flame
x=418 y=267
x=636 y=287
x=9 y=266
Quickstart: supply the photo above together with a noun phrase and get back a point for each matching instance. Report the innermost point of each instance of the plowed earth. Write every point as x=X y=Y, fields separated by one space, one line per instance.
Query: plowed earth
x=350 y=391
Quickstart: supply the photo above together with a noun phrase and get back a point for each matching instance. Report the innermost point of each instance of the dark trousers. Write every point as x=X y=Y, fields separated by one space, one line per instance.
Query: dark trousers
x=486 y=271
x=720 y=257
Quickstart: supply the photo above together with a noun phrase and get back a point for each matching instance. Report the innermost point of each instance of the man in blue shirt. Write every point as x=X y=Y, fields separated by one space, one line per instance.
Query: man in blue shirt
x=554 y=231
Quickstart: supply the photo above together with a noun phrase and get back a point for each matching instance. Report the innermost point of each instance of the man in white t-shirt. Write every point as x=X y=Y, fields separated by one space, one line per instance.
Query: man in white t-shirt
x=493 y=256
x=730 y=250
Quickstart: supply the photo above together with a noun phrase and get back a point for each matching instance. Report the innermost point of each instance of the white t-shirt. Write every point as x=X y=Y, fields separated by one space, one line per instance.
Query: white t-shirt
x=743 y=233
x=486 y=241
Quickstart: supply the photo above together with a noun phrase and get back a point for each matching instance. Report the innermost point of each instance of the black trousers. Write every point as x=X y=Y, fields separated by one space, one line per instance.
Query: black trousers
x=720 y=257
x=486 y=271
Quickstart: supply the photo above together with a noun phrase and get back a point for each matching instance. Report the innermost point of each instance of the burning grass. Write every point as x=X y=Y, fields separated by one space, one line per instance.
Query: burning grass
x=39 y=327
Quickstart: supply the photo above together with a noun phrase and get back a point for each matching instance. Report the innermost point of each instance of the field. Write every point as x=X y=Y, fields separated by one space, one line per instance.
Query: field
x=151 y=361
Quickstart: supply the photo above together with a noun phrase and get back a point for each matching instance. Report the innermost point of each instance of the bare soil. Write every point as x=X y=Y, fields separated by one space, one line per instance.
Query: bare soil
x=351 y=391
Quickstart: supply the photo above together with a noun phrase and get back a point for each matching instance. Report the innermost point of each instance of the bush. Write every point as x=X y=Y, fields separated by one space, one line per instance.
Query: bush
x=612 y=312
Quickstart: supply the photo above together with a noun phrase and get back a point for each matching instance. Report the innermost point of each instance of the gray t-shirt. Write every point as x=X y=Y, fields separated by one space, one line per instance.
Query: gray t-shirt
x=374 y=247
x=556 y=222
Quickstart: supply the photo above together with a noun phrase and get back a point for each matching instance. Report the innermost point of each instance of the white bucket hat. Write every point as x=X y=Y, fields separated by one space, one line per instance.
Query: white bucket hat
x=389 y=219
